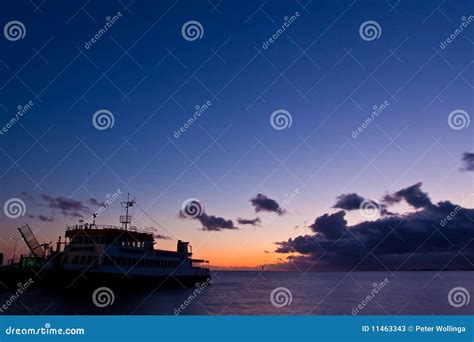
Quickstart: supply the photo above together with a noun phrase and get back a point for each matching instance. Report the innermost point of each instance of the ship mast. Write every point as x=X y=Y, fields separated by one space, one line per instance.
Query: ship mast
x=126 y=219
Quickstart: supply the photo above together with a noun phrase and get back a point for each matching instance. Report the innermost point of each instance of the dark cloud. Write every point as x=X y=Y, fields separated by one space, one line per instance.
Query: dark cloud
x=263 y=203
x=348 y=201
x=93 y=201
x=412 y=195
x=26 y=194
x=45 y=218
x=354 y=201
x=437 y=236
x=68 y=207
x=151 y=230
x=72 y=214
x=468 y=161
x=215 y=223
x=161 y=237
x=266 y=252
x=252 y=222
x=331 y=226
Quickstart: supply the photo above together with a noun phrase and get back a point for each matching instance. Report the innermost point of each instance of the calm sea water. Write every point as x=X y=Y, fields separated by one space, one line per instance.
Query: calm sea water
x=249 y=293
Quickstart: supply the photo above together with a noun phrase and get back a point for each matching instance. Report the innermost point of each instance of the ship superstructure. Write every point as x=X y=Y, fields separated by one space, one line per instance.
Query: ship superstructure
x=118 y=255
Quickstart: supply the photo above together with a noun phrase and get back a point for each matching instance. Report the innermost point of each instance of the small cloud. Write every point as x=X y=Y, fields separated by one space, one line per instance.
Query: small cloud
x=68 y=207
x=413 y=195
x=264 y=203
x=95 y=202
x=27 y=194
x=348 y=201
x=45 y=218
x=252 y=222
x=215 y=223
x=161 y=237
x=468 y=160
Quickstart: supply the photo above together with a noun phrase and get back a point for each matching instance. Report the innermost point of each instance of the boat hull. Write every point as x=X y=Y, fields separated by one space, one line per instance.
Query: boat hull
x=68 y=280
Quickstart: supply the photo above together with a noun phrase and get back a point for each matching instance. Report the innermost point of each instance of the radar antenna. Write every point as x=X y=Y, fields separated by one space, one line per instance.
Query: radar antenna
x=126 y=219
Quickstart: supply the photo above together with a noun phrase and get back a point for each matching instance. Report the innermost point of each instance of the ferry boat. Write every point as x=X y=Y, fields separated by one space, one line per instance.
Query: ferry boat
x=94 y=255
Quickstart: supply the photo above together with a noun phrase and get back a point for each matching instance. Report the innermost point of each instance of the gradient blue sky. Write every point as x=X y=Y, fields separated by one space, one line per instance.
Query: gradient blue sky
x=150 y=78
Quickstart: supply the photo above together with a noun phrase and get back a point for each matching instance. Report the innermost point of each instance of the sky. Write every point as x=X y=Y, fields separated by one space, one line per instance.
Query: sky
x=269 y=109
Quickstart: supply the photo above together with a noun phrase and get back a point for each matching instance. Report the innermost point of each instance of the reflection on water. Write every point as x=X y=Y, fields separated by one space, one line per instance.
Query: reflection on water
x=248 y=293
